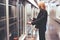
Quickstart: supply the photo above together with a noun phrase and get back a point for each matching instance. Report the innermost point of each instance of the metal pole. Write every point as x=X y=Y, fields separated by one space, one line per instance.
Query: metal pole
x=17 y=14
x=7 y=19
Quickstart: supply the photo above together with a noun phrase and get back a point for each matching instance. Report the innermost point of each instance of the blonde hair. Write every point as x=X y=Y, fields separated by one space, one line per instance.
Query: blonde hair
x=41 y=4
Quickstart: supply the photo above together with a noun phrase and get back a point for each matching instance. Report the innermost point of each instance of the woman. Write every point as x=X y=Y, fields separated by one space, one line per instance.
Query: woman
x=41 y=21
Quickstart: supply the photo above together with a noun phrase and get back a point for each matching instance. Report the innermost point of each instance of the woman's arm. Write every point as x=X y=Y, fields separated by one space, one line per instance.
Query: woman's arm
x=41 y=17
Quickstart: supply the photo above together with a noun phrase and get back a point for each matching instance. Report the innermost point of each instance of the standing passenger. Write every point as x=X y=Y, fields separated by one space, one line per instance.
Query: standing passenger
x=41 y=20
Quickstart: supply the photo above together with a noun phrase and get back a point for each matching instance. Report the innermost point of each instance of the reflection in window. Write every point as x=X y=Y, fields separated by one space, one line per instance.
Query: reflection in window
x=2 y=1
x=21 y=19
x=2 y=22
x=13 y=31
x=12 y=2
x=12 y=20
x=3 y=32
x=13 y=28
x=28 y=16
x=2 y=11
x=12 y=11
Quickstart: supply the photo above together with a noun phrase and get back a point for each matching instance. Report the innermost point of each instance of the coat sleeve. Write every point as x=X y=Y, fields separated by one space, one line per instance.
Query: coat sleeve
x=33 y=22
x=41 y=17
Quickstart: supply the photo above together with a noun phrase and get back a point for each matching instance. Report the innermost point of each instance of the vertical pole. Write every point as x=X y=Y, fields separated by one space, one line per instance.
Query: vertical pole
x=7 y=19
x=23 y=18
x=17 y=14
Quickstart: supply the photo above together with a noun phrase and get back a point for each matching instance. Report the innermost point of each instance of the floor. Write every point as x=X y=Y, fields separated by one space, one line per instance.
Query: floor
x=34 y=36
x=50 y=35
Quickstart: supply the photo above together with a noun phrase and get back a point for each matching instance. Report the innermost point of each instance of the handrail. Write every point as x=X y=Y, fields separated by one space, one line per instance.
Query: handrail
x=33 y=3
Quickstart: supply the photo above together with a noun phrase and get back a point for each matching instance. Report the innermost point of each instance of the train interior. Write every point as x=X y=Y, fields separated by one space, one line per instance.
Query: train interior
x=14 y=15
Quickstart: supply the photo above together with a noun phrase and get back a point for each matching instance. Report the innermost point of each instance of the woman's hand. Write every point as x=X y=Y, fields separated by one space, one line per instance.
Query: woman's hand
x=29 y=22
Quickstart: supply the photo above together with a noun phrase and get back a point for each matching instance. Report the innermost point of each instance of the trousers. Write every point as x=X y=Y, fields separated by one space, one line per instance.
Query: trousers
x=41 y=34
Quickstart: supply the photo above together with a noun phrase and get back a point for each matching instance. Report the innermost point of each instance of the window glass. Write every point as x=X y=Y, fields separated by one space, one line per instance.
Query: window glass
x=2 y=1
x=21 y=19
x=12 y=2
x=2 y=11
x=28 y=17
x=3 y=32
x=12 y=11
x=13 y=28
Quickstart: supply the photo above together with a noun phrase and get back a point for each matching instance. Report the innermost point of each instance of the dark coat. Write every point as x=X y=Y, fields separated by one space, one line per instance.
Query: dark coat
x=41 y=20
